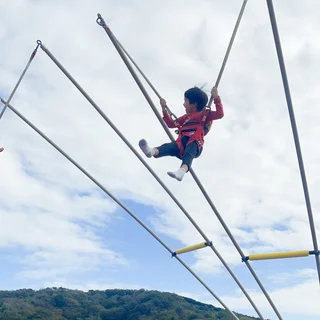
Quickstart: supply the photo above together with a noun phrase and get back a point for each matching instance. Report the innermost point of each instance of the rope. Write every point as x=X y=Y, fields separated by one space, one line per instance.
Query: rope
x=172 y=115
x=229 y=47
x=294 y=129
x=101 y=22
x=117 y=201
x=20 y=79
x=147 y=166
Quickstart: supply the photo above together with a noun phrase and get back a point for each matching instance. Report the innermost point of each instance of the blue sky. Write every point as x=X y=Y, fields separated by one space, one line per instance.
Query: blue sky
x=58 y=229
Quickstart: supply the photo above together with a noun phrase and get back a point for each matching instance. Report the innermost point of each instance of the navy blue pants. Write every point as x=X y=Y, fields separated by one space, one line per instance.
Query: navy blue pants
x=191 y=151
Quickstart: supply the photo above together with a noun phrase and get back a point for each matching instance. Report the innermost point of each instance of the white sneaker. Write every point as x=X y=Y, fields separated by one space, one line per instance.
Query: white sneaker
x=143 y=144
x=179 y=174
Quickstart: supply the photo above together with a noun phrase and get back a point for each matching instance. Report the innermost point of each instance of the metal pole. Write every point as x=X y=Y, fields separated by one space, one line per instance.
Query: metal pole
x=294 y=129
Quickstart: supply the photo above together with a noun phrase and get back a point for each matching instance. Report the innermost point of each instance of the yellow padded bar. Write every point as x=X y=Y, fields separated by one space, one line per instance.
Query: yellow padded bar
x=279 y=255
x=193 y=247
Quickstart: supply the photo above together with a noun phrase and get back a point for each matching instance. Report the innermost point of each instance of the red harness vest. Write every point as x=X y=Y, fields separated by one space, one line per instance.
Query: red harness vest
x=194 y=125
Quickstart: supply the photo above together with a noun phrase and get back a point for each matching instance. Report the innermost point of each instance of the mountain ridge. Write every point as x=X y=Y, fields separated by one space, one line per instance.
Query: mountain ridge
x=111 y=304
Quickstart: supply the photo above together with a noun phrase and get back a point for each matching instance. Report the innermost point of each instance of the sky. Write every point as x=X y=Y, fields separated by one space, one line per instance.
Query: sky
x=58 y=229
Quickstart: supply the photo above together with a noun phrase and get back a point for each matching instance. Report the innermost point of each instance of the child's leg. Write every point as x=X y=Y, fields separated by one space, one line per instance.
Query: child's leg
x=167 y=149
x=190 y=152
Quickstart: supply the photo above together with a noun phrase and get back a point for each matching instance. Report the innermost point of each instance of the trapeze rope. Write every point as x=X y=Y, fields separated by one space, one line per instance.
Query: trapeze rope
x=20 y=79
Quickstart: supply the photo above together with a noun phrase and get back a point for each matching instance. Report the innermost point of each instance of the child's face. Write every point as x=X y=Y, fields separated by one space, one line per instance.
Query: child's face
x=190 y=107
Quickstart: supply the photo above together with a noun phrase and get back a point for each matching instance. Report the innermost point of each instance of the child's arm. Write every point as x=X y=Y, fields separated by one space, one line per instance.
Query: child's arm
x=166 y=117
x=218 y=114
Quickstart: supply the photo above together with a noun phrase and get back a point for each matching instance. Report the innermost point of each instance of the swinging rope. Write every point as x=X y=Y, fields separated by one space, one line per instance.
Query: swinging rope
x=96 y=182
x=172 y=115
x=20 y=79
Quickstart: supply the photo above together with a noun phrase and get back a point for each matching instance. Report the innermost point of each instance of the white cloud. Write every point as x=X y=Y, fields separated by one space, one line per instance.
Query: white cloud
x=297 y=300
x=298 y=276
x=248 y=167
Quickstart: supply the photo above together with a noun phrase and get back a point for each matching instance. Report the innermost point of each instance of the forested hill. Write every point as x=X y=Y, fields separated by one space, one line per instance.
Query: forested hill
x=61 y=304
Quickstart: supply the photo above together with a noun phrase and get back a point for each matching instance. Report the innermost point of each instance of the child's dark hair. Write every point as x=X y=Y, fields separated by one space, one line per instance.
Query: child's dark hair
x=196 y=95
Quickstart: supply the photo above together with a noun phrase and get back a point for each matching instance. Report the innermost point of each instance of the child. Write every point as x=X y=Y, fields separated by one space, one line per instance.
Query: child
x=192 y=129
